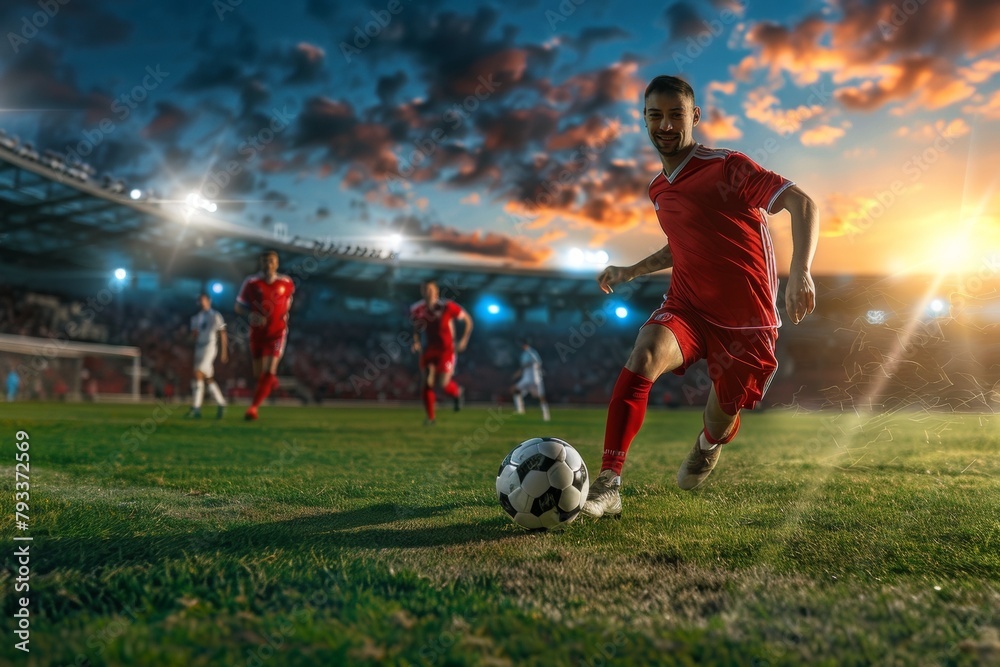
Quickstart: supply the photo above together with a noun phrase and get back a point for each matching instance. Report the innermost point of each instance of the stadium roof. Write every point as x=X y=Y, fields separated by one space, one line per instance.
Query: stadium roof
x=55 y=215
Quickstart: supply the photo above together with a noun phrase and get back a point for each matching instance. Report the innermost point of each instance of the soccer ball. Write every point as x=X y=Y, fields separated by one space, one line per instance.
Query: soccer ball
x=543 y=483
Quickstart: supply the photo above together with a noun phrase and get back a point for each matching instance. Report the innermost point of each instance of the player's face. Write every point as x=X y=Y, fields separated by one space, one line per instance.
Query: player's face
x=431 y=292
x=269 y=264
x=670 y=121
x=204 y=302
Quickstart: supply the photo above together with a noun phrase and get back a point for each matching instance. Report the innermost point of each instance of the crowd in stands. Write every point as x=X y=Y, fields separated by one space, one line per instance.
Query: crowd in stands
x=820 y=364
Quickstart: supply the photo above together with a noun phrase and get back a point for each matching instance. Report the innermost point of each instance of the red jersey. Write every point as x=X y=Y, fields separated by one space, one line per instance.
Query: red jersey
x=436 y=322
x=710 y=210
x=272 y=300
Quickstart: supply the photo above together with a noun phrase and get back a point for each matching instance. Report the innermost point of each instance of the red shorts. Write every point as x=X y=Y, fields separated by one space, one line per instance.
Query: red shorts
x=266 y=344
x=741 y=362
x=443 y=360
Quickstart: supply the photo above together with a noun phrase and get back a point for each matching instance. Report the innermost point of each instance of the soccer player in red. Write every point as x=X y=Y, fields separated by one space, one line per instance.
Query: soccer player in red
x=264 y=299
x=435 y=318
x=721 y=305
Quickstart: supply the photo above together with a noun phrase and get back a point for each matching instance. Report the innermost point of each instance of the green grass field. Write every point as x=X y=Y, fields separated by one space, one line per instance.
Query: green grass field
x=355 y=536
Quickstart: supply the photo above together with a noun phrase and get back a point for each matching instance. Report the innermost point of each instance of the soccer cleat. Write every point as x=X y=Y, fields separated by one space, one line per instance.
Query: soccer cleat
x=251 y=414
x=221 y=412
x=460 y=399
x=604 y=499
x=429 y=422
x=193 y=413
x=697 y=466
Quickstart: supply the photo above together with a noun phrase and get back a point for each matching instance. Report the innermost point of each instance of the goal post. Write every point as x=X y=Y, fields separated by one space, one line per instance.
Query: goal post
x=53 y=368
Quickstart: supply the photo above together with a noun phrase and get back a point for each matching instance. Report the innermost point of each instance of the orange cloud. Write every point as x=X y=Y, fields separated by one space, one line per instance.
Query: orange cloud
x=929 y=131
x=824 y=135
x=896 y=54
x=761 y=106
x=981 y=70
x=592 y=132
x=472 y=199
x=931 y=82
x=988 y=109
x=716 y=126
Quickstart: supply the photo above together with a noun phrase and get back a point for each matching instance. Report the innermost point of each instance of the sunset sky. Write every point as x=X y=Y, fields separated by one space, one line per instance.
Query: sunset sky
x=887 y=113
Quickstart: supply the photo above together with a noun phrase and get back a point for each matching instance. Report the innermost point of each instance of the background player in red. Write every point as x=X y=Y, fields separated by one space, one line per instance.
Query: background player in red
x=721 y=304
x=264 y=299
x=435 y=318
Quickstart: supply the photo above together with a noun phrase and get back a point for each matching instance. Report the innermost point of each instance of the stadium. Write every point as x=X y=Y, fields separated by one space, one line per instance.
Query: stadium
x=343 y=509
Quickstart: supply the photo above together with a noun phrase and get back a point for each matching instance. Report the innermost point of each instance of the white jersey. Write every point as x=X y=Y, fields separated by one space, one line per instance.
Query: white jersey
x=208 y=324
x=531 y=366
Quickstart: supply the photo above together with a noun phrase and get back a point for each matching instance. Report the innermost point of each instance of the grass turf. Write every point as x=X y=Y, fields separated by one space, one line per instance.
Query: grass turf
x=355 y=536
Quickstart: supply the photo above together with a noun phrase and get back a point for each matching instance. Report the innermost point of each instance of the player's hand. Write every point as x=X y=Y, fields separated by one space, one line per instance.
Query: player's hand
x=462 y=344
x=613 y=275
x=415 y=346
x=256 y=320
x=800 y=295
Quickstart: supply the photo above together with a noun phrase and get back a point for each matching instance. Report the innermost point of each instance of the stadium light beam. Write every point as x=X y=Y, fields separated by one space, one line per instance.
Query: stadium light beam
x=493 y=309
x=937 y=305
x=621 y=312
x=216 y=288
x=121 y=274
x=135 y=194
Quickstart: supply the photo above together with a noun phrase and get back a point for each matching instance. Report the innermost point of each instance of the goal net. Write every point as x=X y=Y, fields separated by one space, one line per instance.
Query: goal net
x=55 y=369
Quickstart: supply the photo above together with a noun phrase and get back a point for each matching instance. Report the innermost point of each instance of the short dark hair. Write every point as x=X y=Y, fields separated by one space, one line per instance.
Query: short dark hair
x=668 y=84
x=268 y=251
x=204 y=294
x=429 y=281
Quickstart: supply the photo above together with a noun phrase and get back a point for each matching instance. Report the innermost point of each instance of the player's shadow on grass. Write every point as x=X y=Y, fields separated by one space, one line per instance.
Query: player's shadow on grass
x=355 y=528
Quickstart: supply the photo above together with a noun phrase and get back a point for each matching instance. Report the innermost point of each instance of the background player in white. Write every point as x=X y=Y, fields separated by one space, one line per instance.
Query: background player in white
x=530 y=379
x=208 y=329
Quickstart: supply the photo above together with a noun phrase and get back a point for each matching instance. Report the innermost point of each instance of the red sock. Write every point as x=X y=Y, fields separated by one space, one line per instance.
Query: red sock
x=451 y=389
x=264 y=385
x=429 y=402
x=626 y=411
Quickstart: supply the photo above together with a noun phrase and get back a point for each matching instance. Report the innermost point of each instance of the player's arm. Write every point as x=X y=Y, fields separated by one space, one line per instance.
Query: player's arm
x=255 y=319
x=415 y=345
x=223 y=346
x=800 y=292
x=467 y=329
x=615 y=275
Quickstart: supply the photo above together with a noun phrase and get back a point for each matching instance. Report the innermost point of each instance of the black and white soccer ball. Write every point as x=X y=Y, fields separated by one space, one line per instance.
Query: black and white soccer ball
x=543 y=483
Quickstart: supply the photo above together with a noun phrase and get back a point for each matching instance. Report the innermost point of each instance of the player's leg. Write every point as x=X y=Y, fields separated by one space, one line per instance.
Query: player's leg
x=747 y=364
x=720 y=428
x=197 y=394
x=539 y=391
x=656 y=351
x=448 y=384
x=220 y=400
x=428 y=371
x=518 y=398
x=272 y=351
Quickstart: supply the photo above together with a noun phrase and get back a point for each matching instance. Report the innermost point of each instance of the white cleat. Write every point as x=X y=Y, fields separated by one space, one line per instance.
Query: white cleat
x=698 y=465
x=604 y=499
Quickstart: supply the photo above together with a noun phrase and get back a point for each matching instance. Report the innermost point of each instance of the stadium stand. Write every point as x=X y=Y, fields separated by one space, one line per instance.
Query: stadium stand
x=63 y=235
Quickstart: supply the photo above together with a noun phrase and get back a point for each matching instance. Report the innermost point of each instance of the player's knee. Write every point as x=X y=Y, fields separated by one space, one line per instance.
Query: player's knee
x=645 y=361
